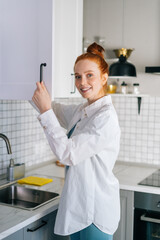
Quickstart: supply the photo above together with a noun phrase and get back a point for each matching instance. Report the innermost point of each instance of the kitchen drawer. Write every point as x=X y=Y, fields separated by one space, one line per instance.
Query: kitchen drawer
x=43 y=229
x=15 y=236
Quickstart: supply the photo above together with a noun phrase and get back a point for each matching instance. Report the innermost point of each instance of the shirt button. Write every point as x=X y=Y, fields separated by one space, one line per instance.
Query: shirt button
x=39 y=119
x=44 y=127
x=85 y=114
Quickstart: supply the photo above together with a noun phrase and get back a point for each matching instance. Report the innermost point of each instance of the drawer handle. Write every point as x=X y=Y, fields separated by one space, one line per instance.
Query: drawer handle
x=38 y=227
x=158 y=204
x=41 y=70
x=149 y=219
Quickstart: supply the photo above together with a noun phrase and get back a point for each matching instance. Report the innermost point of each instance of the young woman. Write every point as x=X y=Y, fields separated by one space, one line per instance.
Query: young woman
x=89 y=207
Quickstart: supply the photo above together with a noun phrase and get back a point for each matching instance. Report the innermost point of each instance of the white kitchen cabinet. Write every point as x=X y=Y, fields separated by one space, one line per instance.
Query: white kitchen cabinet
x=136 y=18
x=122 y=23
x=68 y=45
x=34 y=32
x=25 y=42
x=125 y=228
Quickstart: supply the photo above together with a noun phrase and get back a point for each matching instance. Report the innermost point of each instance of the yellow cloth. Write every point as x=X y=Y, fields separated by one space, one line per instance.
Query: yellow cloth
x=34 y=181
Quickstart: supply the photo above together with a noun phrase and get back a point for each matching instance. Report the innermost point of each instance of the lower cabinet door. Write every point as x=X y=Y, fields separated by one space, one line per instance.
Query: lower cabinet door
x=37 y=230
x=15 y=236
x=57 y=237
x=43 y=229
x=125 y=228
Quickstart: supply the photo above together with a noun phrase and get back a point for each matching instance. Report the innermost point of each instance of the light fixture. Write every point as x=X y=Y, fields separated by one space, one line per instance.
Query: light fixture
x=122 y=68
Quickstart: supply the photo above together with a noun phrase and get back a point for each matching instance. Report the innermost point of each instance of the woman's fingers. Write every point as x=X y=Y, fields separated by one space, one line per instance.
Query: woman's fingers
x=41 y=97
x=41 y=89
x=44 y=87
x=39 y=86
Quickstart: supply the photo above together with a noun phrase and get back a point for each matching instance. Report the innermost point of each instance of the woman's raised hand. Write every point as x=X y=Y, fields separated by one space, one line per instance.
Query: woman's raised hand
x=41 y=98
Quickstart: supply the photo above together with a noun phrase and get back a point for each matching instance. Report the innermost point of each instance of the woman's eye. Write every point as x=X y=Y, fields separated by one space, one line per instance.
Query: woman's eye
x=89 y=75
x=77 y=77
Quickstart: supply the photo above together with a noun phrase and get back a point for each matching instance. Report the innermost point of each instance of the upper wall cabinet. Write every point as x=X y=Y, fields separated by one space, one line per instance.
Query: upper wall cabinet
x=25 y=42
x=34 y=32
x=126 y=23
x=68 y=45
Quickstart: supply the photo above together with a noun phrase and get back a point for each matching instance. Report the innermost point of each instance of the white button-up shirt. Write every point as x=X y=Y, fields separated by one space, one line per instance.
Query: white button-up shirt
x=91 y=191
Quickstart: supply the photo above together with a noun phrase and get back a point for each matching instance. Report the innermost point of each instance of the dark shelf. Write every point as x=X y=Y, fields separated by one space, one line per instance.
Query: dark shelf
x=152 y=69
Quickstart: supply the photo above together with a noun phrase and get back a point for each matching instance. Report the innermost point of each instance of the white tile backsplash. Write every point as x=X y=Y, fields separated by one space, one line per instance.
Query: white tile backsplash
x=18 y=121
x=140 y=134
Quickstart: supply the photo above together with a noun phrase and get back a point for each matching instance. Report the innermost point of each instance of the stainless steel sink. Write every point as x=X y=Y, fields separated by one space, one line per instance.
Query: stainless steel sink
x=25 y=198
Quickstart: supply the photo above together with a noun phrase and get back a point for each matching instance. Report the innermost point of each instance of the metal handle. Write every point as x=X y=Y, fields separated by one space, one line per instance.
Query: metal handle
x=74 y=89
x=41 y=70
x=149 y=219
x=156 y=235
x=158 y=204
x=139 y=104
x=36 y=228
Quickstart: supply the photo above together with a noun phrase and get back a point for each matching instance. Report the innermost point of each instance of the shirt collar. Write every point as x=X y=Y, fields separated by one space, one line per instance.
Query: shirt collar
x=88 y=110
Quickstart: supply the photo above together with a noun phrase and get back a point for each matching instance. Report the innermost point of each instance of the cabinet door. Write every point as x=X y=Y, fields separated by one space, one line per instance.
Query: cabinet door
x=125 y=229
x=43 y=229
x=25 y=43
x=15 y=236
x=68 y=45
x=52 y=218
x=40 y=229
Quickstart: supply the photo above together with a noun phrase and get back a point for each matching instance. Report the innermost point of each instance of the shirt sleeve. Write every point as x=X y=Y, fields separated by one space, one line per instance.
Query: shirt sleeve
x=64 y=113
x=102 y=133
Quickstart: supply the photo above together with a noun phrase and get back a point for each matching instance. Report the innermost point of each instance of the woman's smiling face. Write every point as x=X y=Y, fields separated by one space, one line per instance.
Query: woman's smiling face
x=89 y=80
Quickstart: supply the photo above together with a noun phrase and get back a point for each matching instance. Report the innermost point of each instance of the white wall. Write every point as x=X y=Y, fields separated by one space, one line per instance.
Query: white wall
x=130 y=24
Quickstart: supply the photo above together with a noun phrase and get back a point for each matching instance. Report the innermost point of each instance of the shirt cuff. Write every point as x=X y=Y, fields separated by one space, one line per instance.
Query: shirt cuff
x=48 y=120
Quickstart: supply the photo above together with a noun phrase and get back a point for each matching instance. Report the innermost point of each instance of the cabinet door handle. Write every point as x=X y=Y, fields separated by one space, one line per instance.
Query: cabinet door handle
x=36 y=228
x=41 y=70
x=74 y=88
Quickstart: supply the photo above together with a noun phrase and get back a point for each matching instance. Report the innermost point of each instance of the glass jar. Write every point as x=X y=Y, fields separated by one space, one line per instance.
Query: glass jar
x=111 y=88
x=124 y=88
x=136 y=88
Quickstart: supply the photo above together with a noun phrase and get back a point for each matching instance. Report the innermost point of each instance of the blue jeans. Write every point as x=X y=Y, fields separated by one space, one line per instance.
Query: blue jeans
x=91 y=233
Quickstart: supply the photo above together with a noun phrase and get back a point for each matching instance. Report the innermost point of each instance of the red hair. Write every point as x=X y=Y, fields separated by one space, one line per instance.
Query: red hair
x=95 y=53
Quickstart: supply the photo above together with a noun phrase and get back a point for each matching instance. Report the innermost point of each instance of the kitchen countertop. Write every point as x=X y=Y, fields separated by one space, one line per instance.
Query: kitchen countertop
x=13 y=219
x=129 y=176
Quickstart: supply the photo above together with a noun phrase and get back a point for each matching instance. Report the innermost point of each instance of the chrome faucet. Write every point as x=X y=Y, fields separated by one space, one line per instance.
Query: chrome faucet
x=8 y=145
x=14 y=171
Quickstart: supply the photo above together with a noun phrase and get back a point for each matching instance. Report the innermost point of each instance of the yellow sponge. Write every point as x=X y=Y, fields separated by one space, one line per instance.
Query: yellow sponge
x=35 y=181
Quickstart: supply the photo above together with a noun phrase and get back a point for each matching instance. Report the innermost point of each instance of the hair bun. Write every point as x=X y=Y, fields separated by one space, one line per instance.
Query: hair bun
x=96 y=49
